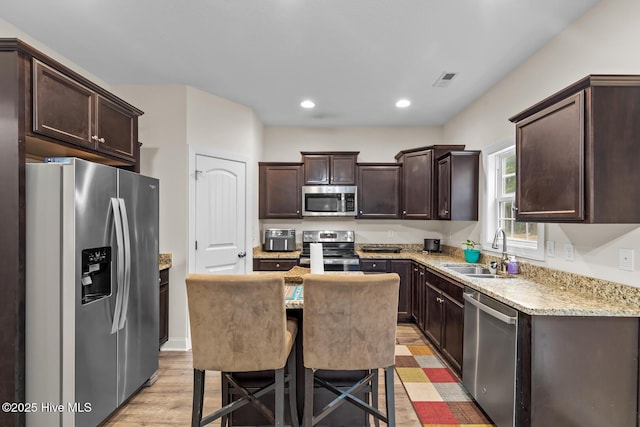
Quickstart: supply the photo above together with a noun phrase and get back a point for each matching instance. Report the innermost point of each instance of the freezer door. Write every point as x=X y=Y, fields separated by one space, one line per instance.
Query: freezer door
x=87 y=192
x=138 y=328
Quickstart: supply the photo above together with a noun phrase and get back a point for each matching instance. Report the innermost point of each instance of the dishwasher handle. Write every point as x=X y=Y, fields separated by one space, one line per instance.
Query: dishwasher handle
x=490 y=311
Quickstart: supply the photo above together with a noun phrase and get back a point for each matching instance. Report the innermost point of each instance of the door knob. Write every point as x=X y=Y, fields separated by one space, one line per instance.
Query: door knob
x=242 y=254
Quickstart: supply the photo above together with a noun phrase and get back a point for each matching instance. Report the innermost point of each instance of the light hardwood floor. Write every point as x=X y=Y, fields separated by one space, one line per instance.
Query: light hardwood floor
x=168 y=401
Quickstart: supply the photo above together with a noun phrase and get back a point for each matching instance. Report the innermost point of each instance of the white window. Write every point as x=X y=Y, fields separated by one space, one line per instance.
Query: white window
x=525 y=239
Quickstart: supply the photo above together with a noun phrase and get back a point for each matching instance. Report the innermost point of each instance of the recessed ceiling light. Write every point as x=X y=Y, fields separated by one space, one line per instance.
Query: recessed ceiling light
x=307 y=103
x=403 y=103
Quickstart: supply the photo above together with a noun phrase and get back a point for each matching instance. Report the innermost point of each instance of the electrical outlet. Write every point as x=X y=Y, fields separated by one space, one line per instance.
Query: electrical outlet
x=551 y=248
x=625 y=261
x=568 y=252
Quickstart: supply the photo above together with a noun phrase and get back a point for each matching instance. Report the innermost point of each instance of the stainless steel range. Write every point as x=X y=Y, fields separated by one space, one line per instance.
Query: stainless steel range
x=338 y=249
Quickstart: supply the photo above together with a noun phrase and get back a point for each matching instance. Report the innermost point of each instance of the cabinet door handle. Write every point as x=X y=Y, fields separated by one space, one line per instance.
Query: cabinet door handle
x=101 y=140
x=277 y=265
x=242 y=254
x=94 y=137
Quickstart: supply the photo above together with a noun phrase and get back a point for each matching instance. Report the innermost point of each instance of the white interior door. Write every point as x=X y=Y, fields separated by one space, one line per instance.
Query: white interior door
x=220 y=205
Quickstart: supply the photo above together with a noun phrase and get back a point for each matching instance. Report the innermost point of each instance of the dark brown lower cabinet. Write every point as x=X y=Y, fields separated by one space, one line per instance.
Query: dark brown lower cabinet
x=417 y=294
x=274 y=264
x=164 y=306
x=433 y=314
x=577 y=370
x=444 y=317
x=403 y=268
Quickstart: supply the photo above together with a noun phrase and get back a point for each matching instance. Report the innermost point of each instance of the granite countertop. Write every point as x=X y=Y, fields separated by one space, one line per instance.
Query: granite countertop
x=541 y=291
x=164 y=261
x=260 y=254
x=555 y=295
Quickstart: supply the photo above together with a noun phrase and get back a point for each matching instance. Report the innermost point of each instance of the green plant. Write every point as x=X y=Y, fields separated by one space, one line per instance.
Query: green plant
x=470 y=244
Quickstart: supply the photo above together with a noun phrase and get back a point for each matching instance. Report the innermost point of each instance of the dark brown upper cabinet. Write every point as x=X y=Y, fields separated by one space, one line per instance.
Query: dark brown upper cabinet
x=67 y=110
x=458 y=174
x=337 y=168
x=577 y=153
x=379 y=190
x=280 y=190
x=420 y=181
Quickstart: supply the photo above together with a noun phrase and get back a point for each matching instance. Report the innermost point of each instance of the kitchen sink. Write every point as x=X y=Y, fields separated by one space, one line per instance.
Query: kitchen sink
x=476 y=271
x=468 y=270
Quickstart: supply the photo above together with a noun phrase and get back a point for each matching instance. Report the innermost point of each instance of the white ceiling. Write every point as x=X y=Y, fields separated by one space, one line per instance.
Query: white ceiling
x=354 y=58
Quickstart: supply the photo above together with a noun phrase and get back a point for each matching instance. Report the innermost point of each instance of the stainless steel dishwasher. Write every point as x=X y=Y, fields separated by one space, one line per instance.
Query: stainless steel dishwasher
x=489 y=360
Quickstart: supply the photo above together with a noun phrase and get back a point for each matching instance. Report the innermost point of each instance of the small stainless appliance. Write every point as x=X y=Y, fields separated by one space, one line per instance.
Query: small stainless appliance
x=329 y=200
x=279 y=240
x=338 y=249
x=432 y=245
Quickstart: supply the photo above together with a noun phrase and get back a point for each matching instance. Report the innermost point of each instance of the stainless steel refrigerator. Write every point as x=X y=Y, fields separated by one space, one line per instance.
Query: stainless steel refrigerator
x=91 y=290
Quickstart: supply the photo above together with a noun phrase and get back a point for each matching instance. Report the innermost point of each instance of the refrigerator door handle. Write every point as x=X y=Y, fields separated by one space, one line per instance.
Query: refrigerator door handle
x=127 y=263
x=117 y=221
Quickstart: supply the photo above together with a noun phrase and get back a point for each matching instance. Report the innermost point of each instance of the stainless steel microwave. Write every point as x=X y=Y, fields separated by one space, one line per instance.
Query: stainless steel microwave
x=329 y=200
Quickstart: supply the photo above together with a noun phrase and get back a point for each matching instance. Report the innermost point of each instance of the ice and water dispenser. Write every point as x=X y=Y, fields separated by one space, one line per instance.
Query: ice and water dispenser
x=96 y=274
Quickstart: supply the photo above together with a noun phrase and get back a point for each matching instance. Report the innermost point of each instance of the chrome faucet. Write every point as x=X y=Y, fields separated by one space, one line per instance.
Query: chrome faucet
x=494 y=245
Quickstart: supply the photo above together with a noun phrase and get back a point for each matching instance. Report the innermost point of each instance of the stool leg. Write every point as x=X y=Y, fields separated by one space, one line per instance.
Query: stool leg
x=225 y=400
x=374 y=395
x=198 y=397
x=293 y=395
x=389 y=396
x=308 y=398
x=279 y=397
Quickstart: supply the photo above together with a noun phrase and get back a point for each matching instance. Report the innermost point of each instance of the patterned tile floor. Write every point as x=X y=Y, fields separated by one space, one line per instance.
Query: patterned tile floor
x=435 y=393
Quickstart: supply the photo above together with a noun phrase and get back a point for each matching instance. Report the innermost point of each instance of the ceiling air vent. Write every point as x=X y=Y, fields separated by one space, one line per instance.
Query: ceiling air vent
x=445 y=79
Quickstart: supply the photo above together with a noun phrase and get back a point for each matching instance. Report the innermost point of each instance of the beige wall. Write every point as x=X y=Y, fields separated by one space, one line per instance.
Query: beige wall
x=604 y=41
x=11 y=31
x=176 y=119
x=375 y=144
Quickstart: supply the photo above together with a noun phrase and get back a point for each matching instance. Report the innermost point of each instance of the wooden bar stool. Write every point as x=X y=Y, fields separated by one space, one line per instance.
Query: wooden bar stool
x=239 y=324
x=349 y=324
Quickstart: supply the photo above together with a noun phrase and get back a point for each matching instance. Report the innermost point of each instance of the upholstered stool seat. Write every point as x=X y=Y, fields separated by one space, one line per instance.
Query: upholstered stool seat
x=239 y=324
x=349 y=324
